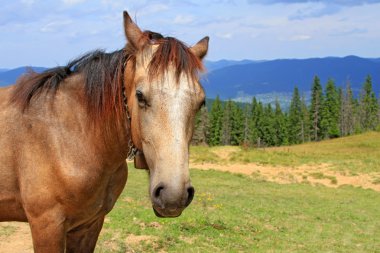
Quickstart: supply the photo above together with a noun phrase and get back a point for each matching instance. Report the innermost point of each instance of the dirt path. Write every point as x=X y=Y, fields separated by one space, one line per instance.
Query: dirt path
x=313 y=174
x=322 y=174
x=15 y=237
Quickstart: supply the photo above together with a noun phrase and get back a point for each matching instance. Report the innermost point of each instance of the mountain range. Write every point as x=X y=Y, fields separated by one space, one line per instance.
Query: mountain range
x=9 y=76
x=281 y=76
x=240 y=80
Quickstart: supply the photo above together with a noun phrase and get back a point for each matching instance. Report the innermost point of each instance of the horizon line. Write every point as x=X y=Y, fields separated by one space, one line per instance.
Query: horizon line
x=222 y=59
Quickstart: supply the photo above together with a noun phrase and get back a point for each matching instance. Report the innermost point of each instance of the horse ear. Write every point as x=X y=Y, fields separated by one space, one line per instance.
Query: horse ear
x=200 y=49
x=132 y=32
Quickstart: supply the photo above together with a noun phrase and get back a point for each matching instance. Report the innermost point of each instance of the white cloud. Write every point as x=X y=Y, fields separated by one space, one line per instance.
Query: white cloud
x=349 y=32
x=300 y=37
x=73 y=2
x=152 y=9
x=28 y=2
x=316 y=11
x=224 y=35
x=183 y=19
x=55 y=26
x=297 y=37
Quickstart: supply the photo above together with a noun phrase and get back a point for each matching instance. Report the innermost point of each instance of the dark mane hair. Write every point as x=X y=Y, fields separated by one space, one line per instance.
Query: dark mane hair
x=103 y=85
x=103 y=75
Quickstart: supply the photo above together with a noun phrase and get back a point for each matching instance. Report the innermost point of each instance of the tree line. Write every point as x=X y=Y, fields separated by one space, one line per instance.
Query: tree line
x=332 y=112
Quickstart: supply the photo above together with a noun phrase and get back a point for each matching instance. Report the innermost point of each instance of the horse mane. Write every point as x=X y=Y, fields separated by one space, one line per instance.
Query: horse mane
x=103 y=74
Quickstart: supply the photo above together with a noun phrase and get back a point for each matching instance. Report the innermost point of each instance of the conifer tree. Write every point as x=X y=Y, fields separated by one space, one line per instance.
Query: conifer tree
x=215 y=123
x=341 y=111
x=330 y=112
x=305 y=121
x=260 y=120
x=200 y=128
x=357 y=116
x=295 y=124
x=227 y=123
x=280 y=126
x=237 y=126
x=347 y=111
x=268 y=132
x=315 y=109
x=368 y=106
x=253 y=122
x=247 y=130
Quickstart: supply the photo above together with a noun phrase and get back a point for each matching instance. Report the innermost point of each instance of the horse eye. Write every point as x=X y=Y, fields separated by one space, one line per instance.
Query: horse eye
x=140 y=98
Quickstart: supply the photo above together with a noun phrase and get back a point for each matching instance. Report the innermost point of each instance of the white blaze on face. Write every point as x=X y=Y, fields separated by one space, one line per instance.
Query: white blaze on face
x=175 y=102
x=179 y=102
x=167 y=125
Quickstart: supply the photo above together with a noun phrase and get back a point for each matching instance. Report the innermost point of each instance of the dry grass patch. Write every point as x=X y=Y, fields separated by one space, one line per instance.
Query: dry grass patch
x=134 y=240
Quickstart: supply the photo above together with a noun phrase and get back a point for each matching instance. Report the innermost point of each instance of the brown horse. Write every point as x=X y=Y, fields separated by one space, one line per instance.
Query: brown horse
x=65 y=135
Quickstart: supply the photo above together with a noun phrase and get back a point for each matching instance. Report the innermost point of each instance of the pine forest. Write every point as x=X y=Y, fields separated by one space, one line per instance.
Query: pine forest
x=331 y=112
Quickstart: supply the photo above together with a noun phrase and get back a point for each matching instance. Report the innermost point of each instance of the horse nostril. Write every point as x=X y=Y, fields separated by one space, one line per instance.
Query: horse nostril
x=158 y=190
x=190 y=195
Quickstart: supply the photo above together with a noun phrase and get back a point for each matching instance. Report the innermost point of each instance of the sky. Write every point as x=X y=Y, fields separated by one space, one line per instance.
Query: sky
x=50 y=33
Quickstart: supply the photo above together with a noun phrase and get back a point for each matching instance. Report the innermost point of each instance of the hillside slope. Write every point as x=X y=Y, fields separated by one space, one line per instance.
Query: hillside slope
x=333 y=163
x=357 y=153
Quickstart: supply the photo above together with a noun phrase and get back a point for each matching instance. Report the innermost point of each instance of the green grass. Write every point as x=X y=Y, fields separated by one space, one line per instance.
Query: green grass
x=320 y=175
x=201 y=154
x=376 y=180
x=235 y=213
x=355 y=154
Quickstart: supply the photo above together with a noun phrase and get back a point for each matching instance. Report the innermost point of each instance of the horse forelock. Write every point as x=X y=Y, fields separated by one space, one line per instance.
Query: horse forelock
x=170 y=53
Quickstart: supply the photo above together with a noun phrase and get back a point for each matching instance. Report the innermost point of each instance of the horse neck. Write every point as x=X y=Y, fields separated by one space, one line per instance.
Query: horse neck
x=106 y=137
x=112 y=139
x=116 y=139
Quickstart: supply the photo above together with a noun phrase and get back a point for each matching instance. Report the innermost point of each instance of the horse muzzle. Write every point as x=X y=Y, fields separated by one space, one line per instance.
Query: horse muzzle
x=168 y=202
x=167 y=213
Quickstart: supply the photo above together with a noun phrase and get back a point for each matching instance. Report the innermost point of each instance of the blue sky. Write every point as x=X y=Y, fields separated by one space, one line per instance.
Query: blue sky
x=50 y=33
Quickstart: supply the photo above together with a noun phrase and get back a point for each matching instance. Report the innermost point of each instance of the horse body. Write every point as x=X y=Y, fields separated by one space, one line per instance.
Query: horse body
x=69 y=179
x=65 y=135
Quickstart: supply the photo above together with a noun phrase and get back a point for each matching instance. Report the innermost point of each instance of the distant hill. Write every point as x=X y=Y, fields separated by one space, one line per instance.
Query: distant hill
x=8 y=77
x=280 y=76
x=213 y=65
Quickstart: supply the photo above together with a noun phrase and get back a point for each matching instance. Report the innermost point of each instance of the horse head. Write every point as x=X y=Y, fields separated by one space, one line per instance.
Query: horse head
x=163 y=97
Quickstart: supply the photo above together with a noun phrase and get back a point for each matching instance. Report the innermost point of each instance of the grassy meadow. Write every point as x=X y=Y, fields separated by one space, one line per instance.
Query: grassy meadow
x=242 y=213
x=354 y=154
